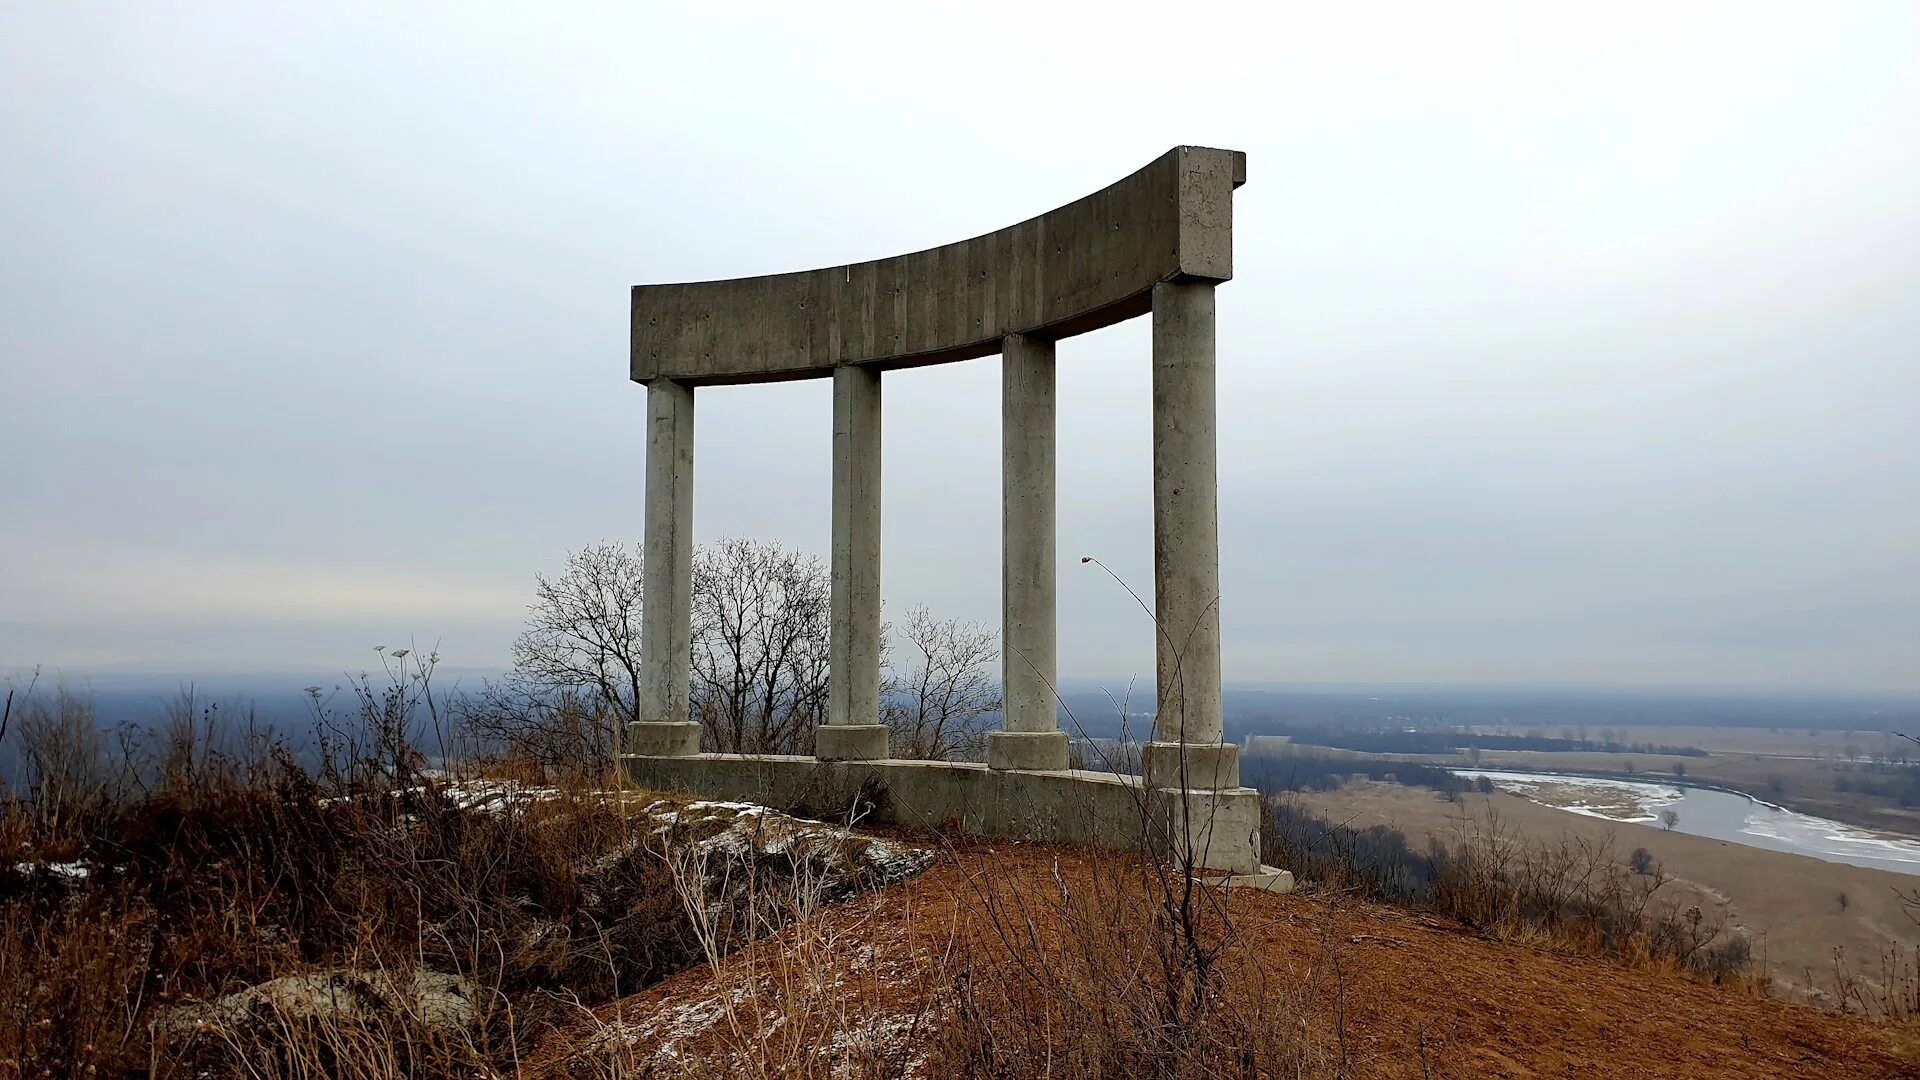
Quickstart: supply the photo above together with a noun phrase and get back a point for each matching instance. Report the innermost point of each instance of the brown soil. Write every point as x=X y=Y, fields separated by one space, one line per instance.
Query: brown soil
x=1409 y=995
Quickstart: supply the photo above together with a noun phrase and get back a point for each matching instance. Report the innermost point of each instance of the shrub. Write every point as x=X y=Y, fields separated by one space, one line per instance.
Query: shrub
x=1575 y=892
x=221 y=871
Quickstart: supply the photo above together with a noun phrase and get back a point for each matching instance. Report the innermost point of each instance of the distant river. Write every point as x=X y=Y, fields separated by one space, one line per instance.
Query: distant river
x=1721 y=815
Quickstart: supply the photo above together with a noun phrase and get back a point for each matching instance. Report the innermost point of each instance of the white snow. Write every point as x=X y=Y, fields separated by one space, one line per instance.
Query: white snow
x=57 y=869
x=1648 y=798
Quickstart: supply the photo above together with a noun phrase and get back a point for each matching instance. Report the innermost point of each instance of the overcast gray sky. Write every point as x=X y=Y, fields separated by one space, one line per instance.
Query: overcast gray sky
x=1566 y=345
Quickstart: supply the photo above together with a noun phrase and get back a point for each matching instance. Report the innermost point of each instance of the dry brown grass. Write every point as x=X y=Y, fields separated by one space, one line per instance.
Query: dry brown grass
x=792 y=1007
x=919 y=980
x=225 y=872
x=234 y=914
x=193 y=894
x=140 y=889
x=1103 y=974
x=1007 y=975
x=1573 y=894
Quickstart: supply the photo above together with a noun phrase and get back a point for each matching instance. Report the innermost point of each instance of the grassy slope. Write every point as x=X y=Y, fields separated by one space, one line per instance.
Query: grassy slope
x=1373 y=992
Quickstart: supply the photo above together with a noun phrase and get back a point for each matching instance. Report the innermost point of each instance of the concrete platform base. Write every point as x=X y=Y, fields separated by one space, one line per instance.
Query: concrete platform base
x=1265 y=879
x=850 y=742
x=1030 y=750
x=1069 y=806
x=1208 y=765
x=664 y=739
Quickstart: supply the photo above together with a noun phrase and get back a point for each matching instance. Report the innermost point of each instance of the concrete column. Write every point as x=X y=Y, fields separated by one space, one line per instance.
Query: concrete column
x=853 y=730
x=1186 y=750
x=1030 y=737
x=664 y=728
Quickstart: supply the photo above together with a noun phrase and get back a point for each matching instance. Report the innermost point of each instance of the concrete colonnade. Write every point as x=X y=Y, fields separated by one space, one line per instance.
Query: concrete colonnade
x=1156 y=242
x=1186 y=749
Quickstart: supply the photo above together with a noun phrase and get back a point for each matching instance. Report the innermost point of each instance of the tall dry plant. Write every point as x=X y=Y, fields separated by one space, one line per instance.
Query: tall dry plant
x=1126 y=968
x=63 y=752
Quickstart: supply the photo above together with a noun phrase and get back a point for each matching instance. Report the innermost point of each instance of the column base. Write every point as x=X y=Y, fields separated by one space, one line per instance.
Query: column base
x=655 y=739
x=1027 y=751
x=1209 y=766
x=1208 y=830
x=850 y=742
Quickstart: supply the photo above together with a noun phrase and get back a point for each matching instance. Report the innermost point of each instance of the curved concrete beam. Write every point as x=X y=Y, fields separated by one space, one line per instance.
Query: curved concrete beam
x=1088 y=264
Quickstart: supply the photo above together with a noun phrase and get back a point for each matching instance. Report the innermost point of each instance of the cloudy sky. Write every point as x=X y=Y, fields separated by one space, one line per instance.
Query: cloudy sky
x=1564 y=348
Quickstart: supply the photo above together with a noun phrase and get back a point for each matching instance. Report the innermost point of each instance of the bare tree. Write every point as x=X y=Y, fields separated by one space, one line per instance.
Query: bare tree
x=576 y=666
x=1641 y=861
x=65 y=754
x=583 y=628
x=937 y=707
x=761 y=628
x=759 y=656
x=761 y=634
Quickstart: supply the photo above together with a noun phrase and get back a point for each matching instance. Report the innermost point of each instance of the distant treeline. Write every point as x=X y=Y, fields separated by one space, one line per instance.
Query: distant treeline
x=1378 y=860
x=1901 y=783
x=1519 y=709
x=1273 y=775
x=1448 y=741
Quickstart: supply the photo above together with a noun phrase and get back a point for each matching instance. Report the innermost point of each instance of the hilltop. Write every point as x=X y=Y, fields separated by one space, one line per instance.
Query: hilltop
x=252 y=919
x=974 y=966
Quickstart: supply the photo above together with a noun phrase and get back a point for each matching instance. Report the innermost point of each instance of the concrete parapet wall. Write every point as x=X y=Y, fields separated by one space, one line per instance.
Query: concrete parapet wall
x=1070 y=806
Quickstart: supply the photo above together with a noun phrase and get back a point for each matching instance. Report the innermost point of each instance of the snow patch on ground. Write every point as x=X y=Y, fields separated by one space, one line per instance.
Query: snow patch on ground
x=496 y=795
x=57 y=869
x=738 y=830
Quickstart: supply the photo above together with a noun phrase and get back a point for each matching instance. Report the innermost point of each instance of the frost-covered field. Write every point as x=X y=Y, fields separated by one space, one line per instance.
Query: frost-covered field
x=1721 y=815
x=1616 y=800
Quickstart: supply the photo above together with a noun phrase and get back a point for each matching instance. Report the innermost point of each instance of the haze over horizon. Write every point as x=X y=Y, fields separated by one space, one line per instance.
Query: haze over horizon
x=1564 y=348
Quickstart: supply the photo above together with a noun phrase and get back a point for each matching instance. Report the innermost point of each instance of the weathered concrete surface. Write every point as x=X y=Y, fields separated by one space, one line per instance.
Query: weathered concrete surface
x=1088 y=264
x=1190 y=765
x=850 y=742
x=663 y=738
x=1030 y=737
x=666 y=575
x=1076 y=807
x=1186 y=545
x=853 y=696
x=1027 y=749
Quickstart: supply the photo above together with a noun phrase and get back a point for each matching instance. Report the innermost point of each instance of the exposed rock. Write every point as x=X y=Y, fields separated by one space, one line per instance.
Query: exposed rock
x=435 y=1000
x=729 y=835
